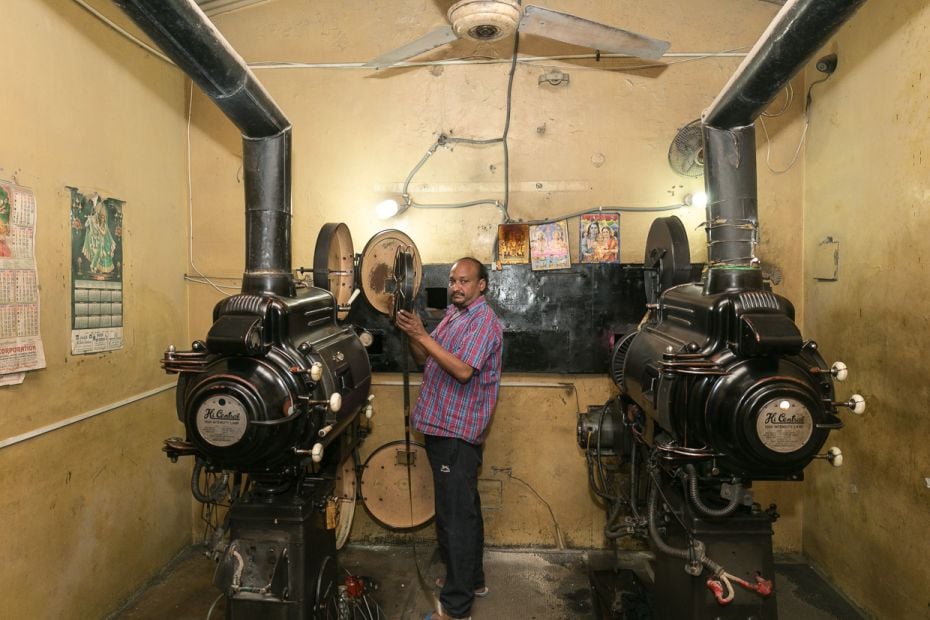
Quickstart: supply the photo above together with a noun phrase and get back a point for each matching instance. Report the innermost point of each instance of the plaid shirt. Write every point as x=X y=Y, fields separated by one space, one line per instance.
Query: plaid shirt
x=446 y=407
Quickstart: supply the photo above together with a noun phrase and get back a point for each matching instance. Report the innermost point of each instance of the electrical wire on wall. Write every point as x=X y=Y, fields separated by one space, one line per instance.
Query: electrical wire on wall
x=445 y=139
x=789 y=99
x=201 y=279
x=559 y=539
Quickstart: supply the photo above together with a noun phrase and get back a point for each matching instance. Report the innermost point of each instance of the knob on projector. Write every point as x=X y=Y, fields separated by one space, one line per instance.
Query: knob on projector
x=839 y=371
x=856 y=404
x=835 y=456
x=316 y=371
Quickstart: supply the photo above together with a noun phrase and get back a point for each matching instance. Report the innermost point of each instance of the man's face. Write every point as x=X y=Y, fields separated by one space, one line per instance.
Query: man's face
x=464 y=285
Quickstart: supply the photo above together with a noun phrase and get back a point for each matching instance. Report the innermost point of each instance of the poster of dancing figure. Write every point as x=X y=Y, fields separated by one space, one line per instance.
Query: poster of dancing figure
x=96 y=272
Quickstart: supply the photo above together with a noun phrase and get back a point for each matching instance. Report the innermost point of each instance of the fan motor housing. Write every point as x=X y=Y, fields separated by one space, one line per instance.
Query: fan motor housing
x=484 y=20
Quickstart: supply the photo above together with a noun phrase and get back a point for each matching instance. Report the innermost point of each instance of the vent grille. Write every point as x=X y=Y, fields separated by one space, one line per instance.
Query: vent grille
x=758 y=300
x=243 y=304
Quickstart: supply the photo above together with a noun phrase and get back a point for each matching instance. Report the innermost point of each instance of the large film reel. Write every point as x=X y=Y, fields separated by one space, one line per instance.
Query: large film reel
x=668 y=258
x=334 y=265
x=395 y=497
x=405 y=275
x=390 y=272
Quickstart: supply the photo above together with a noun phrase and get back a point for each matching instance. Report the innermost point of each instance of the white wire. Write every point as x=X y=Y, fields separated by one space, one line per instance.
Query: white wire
x=190 y=207
x=685 y=56
x=126 y=34
x=789 y=99
x=725 y=578
x=768 y=147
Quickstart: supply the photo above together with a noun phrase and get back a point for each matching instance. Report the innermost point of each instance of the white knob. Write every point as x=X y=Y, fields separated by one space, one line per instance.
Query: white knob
x=335 y=402
x=316 y=371
x=369 y=411
x=835 y=456
x=317 y=453
x=856 y=404
x=839 y=371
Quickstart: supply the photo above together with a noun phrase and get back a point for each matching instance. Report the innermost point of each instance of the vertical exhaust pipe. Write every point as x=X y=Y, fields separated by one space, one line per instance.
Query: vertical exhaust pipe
x=191 y=40
x=799 y=30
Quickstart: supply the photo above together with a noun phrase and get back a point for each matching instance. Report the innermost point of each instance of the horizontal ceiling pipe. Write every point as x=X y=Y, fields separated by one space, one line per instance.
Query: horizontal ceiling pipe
x=191 y=40
x=800 y=29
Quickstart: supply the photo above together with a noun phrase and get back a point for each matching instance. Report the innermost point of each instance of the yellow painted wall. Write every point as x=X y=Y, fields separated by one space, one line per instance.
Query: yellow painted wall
x=866 y=185
x=91 y=511
x=357 y=132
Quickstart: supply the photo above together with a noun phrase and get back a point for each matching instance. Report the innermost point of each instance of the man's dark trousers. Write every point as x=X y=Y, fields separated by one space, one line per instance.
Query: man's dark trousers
x=459 y=526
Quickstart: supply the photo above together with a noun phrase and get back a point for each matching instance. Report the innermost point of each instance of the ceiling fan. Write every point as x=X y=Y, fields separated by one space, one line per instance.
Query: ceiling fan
x=490 y=20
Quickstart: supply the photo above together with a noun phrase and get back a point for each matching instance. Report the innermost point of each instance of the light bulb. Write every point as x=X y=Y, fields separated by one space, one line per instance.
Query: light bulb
x=697 y=199
x=386 y=209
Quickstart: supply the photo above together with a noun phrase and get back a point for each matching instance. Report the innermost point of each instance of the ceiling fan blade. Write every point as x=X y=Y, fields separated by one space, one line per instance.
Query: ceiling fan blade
x=586 y=33
x=427 y=42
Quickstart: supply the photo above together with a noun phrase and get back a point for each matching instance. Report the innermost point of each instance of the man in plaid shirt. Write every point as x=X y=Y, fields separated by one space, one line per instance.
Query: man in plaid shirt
x=459 y=391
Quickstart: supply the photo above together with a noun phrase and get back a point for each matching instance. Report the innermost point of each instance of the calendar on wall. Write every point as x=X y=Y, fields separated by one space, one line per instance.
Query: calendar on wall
x=20 y=338
x=96 y=273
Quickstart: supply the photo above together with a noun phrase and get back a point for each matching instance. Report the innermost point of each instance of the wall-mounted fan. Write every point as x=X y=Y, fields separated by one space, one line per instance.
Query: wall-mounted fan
x=686 y=152
x=489 y=20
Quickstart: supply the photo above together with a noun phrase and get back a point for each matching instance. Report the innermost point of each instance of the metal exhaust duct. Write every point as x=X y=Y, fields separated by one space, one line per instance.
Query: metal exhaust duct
x=191 y=40
x=799 y=30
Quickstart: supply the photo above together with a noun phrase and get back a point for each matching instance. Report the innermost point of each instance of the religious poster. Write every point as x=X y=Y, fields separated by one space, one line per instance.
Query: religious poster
x=549 y=246
x=513 y=244
x=599 y=238
x=20 y=338
x=96 y=273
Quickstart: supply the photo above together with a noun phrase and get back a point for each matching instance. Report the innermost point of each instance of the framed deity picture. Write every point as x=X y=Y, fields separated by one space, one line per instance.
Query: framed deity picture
x=549 y=246
x=599 y=238
x=513 y=244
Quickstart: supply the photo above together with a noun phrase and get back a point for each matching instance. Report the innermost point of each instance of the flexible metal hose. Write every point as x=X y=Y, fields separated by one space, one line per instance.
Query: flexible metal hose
x=661 y=545
x=700 y=505
x=195 y=486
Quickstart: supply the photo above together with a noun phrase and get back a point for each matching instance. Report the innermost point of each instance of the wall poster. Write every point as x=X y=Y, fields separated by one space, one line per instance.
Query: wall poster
x=513 y=244
x=20 y=338
x=549 y=246
x=599 y=236
x=96 y=273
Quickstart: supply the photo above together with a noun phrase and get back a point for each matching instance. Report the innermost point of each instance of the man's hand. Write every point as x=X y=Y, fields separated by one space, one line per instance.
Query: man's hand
x=410 y=324
x=422 y=346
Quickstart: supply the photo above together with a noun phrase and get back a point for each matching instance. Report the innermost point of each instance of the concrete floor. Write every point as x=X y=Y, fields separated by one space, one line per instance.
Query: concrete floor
x=529 y=585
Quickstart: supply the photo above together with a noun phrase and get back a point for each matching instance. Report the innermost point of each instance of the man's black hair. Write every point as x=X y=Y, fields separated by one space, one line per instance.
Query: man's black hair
x=482 y=270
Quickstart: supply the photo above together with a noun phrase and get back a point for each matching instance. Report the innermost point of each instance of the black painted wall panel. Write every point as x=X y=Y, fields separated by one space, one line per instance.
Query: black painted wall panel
x=561 y=321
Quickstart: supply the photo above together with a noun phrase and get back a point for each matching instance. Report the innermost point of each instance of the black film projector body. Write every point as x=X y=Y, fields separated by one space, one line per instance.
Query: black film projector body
x=273 y=400
x=717 y=388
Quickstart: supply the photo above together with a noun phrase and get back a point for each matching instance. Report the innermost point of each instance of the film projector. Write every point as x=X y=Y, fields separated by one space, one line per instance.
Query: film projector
x=272 y=403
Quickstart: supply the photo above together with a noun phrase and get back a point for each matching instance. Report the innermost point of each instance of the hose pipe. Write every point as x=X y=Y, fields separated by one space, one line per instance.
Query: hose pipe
x=700 y=505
